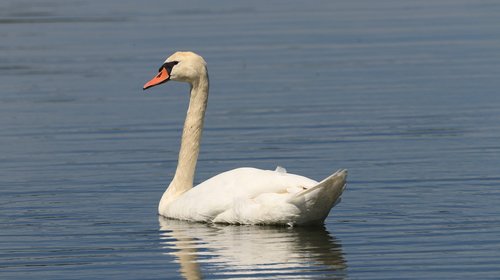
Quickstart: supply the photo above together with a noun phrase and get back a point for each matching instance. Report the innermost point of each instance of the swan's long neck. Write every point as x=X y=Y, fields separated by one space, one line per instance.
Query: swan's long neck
x=190 y=142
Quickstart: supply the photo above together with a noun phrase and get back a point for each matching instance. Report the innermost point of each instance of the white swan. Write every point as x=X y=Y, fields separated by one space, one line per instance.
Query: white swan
x=243 y=195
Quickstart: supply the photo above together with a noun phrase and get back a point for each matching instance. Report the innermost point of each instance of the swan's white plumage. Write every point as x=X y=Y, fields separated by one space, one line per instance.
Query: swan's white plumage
x=243 y=195
x=255 y=196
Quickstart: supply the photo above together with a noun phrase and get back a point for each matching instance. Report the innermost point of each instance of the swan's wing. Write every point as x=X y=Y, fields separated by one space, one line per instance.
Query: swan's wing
x=241 y=191
x=319 y=199
x=300 y=203
x=335 y=183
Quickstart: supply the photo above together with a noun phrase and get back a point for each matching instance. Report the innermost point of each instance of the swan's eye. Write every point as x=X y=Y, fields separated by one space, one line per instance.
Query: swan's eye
x=168 y=65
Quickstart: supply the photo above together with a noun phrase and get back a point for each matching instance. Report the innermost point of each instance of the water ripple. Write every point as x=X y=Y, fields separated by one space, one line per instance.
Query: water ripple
x=235 y=251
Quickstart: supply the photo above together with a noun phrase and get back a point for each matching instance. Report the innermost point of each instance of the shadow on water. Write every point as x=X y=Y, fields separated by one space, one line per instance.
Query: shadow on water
x=221 y=251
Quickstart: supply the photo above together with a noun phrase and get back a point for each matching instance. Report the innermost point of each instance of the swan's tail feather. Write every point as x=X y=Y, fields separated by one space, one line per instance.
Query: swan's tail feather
x=319 y=199
x=337 y=182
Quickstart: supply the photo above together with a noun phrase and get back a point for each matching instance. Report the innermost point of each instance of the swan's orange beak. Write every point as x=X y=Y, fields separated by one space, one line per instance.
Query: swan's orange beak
x=161 y=78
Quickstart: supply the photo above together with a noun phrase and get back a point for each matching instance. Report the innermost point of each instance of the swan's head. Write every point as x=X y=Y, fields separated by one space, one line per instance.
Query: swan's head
x=181 y=66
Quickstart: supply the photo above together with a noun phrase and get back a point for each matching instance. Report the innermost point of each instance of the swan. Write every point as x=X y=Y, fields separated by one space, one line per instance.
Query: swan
x=243 y=195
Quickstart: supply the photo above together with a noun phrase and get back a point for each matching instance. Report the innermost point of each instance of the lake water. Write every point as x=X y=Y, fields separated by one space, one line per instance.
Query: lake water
x=404 y=94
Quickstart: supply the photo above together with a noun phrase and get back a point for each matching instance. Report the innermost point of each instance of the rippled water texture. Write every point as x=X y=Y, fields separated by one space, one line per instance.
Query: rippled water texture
x=404 y=94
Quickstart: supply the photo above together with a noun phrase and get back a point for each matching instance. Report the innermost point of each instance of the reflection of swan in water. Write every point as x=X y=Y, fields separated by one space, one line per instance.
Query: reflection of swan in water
x=251 y=251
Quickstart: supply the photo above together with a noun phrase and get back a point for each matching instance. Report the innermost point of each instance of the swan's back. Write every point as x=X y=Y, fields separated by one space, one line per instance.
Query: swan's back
x=254 y=196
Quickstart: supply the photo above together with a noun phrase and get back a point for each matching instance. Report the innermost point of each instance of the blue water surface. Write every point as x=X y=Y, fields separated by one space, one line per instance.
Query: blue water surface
x=404 y=94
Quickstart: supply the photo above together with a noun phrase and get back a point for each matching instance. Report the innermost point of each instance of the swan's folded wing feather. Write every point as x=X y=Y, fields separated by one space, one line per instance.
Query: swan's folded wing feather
x=336 y=182
x=233 y=191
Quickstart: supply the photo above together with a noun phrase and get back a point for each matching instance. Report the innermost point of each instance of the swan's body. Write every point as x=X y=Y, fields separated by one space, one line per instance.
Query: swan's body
x=243 y=195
